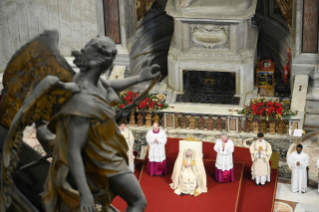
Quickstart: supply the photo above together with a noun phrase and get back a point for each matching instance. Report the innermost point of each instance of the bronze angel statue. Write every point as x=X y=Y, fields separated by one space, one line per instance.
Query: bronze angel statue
x=89 y=160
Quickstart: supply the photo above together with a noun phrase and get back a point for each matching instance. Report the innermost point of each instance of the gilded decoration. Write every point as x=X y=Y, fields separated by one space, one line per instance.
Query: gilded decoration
x=286 y=9
x=210 y=36
x=144 y=7
x=283 y=9
x=190 y=138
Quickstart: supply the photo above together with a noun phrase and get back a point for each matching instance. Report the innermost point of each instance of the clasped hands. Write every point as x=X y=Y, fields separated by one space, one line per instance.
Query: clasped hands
x=224 y=144
x=298 y=163
x=155 y=141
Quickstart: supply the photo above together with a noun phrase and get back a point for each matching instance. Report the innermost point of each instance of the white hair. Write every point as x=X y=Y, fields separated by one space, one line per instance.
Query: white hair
x=223 y=134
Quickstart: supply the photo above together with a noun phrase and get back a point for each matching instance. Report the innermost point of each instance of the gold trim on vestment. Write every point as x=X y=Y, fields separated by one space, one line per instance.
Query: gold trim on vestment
x=184 y=162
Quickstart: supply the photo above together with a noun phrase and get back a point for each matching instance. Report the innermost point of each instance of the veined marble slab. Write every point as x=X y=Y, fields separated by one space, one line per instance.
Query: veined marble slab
x=299 y=94
x=284 y=192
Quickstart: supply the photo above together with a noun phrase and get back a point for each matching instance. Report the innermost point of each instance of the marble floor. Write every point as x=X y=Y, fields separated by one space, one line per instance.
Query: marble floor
x=287 y=201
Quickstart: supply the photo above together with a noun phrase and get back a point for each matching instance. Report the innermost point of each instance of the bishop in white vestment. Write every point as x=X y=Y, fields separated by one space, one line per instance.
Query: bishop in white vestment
x=260 y=151
x=127 y=134
x=299 y=162
x=156 y=138
x=189 y=176
x=224 y=171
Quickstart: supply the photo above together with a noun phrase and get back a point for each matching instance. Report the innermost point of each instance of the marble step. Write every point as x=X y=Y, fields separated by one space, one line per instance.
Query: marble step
x=312 y=106
x=312 y=119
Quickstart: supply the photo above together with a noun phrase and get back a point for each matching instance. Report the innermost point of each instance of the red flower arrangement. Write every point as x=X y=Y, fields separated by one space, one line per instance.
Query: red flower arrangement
x=150 y=103
x=269 y=109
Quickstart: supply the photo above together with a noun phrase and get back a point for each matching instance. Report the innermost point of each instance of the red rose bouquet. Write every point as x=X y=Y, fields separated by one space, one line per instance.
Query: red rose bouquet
x=269 y=109
x=150 y=103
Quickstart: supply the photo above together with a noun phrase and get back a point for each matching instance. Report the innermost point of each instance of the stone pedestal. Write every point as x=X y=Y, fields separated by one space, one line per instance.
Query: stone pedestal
x=213 y=36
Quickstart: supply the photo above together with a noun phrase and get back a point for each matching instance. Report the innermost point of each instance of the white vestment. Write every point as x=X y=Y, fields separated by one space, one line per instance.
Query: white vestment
x=188 y=178
x=192 y=179
x=260 y=169
x=127 y=134
x=299 y=173
x=156 y=151
x=224 y=159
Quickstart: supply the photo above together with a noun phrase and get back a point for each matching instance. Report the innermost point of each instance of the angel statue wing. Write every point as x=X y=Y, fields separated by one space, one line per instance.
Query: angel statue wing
x=35 y=60
x=30 y=95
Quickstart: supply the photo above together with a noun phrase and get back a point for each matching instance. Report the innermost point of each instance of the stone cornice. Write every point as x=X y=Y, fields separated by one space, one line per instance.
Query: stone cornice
x=240 y=57
x=241 y=10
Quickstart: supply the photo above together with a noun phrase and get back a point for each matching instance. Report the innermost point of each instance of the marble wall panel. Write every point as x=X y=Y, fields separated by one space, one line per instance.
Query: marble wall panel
x=310 y=26
x=20 y=21
x=111 y=17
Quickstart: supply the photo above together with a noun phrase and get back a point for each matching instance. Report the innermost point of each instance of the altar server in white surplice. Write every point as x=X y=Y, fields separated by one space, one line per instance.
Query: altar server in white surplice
x=156 y=138
x=127 y=134
x=299 y=162
x=189 y=176
x=224 y=171
x=260 y=151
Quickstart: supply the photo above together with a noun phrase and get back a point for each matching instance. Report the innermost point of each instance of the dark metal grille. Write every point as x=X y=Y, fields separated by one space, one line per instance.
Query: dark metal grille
x=207 y=98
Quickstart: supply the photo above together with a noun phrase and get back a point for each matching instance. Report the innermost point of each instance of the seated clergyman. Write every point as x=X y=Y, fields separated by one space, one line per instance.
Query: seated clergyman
x=189 y=176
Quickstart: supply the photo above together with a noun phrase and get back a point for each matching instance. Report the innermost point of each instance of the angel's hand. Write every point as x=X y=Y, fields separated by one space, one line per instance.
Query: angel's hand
x=149 y=72
x=87 y=203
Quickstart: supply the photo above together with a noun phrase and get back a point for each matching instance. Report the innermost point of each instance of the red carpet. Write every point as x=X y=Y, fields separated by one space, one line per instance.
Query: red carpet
x=241 y=196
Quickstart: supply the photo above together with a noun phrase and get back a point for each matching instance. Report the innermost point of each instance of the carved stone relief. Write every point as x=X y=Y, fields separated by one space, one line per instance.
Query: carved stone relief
x=209 y=36
x=186 y=3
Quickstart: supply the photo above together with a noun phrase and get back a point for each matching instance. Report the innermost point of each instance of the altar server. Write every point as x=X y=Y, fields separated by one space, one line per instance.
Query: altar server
x=189 y=176
x=127 y=134
x=224 y=171
x=260 y=154
x=156 y=138
x=299 y=162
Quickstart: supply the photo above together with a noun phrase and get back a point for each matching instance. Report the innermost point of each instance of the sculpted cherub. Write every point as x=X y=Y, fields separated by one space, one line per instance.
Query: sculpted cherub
x=90 y=163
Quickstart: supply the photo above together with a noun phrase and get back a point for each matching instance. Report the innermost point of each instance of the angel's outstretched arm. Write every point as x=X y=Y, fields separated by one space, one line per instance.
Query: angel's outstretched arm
x=78 y=133
x=148 y=72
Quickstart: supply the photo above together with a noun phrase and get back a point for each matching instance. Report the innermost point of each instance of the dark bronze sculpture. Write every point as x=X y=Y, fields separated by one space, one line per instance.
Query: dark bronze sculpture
x=89 y=163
